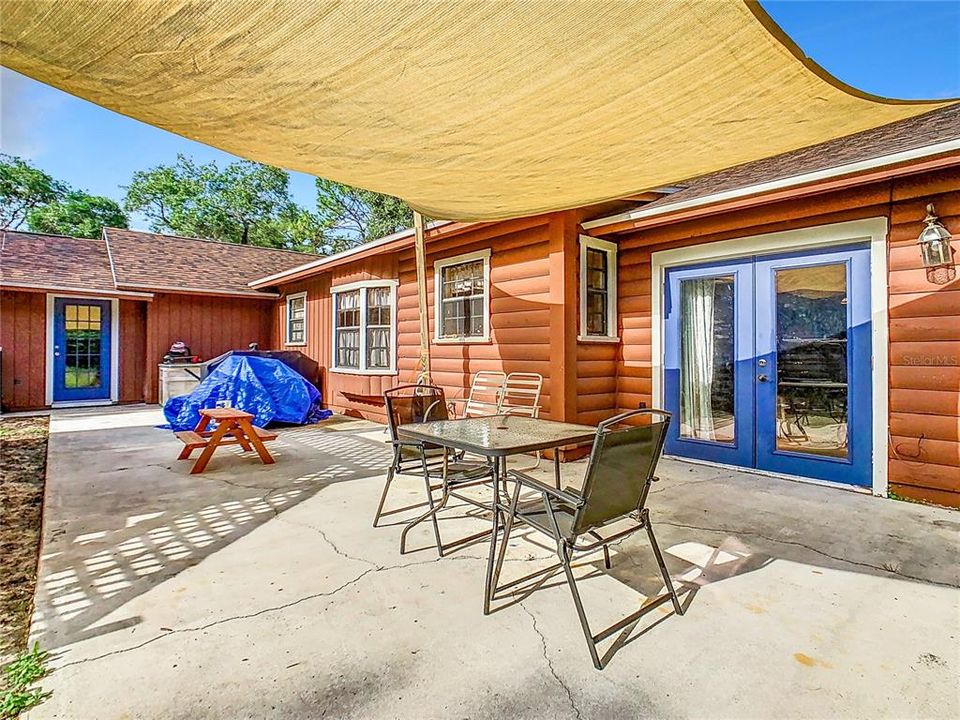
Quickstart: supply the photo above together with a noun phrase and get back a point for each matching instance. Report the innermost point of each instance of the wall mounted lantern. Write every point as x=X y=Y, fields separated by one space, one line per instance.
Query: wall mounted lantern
x=934 y=242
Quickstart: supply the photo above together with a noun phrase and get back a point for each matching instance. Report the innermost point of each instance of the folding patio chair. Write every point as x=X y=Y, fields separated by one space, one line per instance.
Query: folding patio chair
x=407 y=404
x=486 y=392
x=521 y=396
x=618 y=478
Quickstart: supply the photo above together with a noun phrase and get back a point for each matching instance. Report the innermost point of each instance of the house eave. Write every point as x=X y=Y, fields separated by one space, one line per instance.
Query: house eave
x=906 y=159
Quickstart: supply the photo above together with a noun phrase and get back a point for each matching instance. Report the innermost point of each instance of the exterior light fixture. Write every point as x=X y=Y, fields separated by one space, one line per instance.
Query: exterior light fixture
x=934 y=242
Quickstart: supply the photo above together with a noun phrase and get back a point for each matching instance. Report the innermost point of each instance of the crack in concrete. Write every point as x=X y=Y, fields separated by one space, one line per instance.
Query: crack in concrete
x=333 y=545
x=553 y=671
x=263 y=611
x=783 y=541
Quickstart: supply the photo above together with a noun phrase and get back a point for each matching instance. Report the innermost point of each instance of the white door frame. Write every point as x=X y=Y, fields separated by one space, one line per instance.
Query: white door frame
x=872 y=230
x=114 y=351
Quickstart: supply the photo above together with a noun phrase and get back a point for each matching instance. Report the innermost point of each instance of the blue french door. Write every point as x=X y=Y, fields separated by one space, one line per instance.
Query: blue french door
x=81 y=350
x=767 y=364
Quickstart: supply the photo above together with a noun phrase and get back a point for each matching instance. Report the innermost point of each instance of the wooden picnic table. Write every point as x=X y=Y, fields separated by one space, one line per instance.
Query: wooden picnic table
x=234 y=427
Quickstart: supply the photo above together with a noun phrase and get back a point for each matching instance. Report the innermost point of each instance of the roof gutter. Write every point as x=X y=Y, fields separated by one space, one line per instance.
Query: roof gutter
x=31 y=287
x=780 y=184
x=201 y=291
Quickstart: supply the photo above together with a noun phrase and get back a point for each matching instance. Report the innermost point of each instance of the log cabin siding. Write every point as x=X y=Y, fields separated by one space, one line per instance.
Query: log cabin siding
x=23 y=337
x=531 y=291
x=924 y=317
x=210 y=325
x=319 y=334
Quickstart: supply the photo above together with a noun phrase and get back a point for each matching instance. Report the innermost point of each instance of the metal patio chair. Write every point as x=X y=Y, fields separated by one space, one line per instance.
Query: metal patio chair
x=407 y=404
x=486 y=393
x=617 y=480
x=521 y=396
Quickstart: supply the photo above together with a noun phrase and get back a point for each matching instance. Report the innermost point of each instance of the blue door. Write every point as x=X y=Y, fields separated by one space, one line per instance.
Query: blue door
x=768 y=364
x=81 y=350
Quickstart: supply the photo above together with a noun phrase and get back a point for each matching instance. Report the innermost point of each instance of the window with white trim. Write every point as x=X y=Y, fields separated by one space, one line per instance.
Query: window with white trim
x=598 y=289
x=364 y=327
x=462 y=285
x=297 y=319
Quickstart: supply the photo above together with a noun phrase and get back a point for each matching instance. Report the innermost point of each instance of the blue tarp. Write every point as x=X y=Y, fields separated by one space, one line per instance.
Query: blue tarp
x=266 y=388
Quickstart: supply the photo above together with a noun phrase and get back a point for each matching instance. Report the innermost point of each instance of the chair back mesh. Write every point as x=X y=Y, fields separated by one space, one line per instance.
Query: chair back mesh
x=408 y=404
x=621 y=468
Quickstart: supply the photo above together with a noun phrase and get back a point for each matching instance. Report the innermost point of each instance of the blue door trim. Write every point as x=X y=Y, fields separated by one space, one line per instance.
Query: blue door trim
x=61 y=390
x=756 y=402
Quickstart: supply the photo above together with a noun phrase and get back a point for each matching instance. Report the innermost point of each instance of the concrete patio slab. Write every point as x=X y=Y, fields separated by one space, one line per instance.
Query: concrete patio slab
x=263 y=591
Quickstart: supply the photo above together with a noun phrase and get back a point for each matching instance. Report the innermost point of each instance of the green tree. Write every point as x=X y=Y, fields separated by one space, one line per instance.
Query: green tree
x=23 y=189
x=246 y=203
x=351 y=216
x=78 y=214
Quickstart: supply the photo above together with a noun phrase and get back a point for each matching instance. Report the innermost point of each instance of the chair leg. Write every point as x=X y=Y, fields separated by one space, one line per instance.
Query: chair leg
x=431 y=512
x=663 y=567
x=565 y=556
x=386 y=486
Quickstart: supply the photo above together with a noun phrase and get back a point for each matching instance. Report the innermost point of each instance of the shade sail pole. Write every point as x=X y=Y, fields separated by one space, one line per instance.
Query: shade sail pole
x=421 y=258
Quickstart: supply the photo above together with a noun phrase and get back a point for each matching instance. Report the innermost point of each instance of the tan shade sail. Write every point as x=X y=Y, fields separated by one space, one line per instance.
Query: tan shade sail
x=469 y=110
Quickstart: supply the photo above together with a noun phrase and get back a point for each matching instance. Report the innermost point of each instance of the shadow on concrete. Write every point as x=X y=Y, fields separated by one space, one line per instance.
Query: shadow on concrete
x=133 y=539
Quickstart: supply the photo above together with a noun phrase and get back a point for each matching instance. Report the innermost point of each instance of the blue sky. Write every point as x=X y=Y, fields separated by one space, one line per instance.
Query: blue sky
x=895 y=49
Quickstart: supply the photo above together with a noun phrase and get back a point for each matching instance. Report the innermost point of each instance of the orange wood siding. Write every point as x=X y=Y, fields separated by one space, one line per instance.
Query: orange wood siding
x=924 y=348
x=133 y=350
x=319 y=344
x=924 y=316
x=532 y=314
x=209 y=325
x=23 y=329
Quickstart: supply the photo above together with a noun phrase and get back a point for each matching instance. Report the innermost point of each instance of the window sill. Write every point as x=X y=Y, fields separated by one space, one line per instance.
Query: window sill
x=597 y=339
x=463 y=341
x=354 y=371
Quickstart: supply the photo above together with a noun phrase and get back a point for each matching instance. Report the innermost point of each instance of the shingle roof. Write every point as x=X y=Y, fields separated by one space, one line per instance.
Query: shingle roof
x=136 y=261
x=928 y=129
x=54 y=261
x=144 y=260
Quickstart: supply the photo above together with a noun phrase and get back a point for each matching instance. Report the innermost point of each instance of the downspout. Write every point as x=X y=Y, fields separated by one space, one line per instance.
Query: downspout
x=419 y=245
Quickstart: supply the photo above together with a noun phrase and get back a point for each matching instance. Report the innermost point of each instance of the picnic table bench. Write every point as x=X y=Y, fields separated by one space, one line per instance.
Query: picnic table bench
x=234 y=427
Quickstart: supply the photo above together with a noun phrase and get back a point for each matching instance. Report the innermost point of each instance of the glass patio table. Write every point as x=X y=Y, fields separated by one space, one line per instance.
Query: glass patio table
x=496 y=437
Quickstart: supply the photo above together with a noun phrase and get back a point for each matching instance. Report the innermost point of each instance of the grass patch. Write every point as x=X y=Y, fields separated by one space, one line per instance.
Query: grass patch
x=23 y=463
x=17 y=692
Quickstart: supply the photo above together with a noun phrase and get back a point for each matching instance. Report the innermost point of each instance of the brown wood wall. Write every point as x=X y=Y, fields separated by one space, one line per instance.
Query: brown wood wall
x=23 y=328
x=209 y=325
x=924 y=316
x=133 y=350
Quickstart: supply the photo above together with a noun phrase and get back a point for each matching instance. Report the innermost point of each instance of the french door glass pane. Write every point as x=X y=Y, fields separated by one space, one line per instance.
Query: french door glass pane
x=812 y=360
x=707 y=359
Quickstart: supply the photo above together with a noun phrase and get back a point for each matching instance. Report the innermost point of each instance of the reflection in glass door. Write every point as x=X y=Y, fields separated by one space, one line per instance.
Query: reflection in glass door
x=813 y=389
x=767 y=364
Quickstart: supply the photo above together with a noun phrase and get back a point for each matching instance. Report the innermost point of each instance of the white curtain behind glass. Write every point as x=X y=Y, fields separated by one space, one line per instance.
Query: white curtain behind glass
x=697 y=303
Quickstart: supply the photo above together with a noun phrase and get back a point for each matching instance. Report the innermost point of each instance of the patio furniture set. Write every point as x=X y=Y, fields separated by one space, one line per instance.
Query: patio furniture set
x=465 y=444
x=453 y=453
